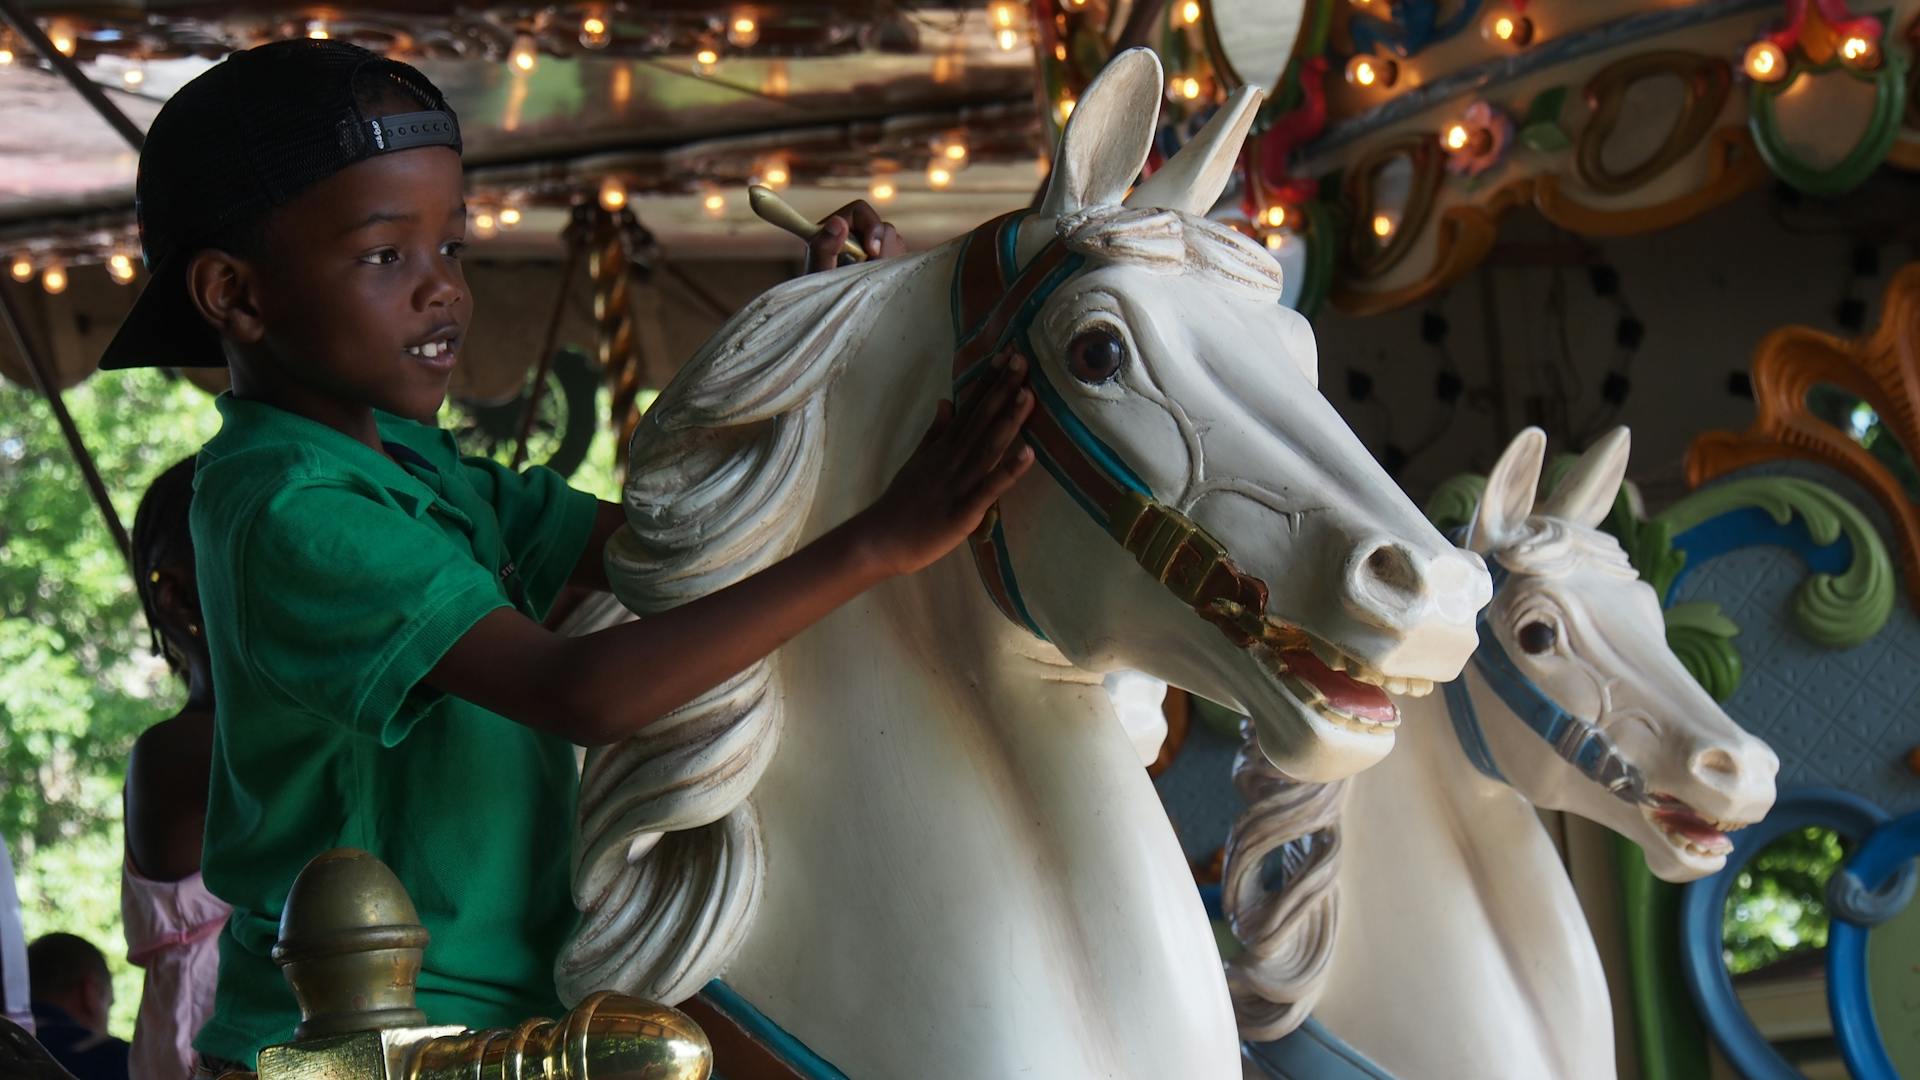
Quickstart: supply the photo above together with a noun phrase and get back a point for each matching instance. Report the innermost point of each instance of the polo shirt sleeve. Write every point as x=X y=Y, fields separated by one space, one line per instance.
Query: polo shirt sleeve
x=545 y=522
x=349 y=601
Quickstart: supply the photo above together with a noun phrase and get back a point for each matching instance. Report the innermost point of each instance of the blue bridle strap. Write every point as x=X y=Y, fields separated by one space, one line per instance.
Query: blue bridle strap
x=1579 y=742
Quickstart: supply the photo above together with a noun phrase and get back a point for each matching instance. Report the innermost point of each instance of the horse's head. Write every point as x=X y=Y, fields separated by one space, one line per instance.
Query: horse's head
x=1636 y=744
x=1303 y=585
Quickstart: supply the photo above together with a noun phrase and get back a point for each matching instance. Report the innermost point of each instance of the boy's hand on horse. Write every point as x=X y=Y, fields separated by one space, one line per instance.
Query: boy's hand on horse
x=858 y=219
x=966 y=461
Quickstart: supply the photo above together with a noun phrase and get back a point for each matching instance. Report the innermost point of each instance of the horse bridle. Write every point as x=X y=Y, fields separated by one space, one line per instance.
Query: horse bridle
x=1578 y=742
x=994 y=302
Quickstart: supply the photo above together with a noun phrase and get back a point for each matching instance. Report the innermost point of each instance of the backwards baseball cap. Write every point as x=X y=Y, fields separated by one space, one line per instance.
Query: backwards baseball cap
x=242 y=138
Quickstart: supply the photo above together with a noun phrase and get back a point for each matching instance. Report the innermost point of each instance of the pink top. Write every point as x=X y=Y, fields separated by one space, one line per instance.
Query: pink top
x=173 y=930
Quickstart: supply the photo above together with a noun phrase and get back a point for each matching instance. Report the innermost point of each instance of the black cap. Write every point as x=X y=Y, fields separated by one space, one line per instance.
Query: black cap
x=245 y=136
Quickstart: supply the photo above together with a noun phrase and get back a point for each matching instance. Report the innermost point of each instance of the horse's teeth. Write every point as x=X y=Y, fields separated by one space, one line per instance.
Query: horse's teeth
x=1419 y=687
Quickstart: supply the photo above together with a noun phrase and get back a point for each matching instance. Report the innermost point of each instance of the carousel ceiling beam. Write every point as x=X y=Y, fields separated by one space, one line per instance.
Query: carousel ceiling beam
x=43 y=379
x=30 y=31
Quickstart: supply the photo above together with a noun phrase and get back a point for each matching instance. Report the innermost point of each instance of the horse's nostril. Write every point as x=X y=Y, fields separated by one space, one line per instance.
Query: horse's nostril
x=1392 y=566
x=1715 y=760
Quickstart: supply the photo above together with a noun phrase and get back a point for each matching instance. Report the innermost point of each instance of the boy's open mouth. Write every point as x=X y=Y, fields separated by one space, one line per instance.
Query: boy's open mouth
x=438 y=350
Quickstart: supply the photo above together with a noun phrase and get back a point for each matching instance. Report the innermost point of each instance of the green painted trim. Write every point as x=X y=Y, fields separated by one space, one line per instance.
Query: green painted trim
x=1322 y=237
x=1837 y=612
x=1699 y=635
x=1890 y=104
x=1452 y=504
x=1667 y=1031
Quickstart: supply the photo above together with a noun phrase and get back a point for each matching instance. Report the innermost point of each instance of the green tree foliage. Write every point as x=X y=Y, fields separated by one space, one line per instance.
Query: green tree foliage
x=1777 y=906
x=80 y=681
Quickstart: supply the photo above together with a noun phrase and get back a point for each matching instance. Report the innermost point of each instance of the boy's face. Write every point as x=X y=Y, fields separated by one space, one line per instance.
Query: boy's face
x=359 y=286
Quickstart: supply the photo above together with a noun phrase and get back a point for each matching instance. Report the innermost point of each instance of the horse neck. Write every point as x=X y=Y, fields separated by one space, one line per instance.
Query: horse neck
x=1005 y=888
x=1458 y=920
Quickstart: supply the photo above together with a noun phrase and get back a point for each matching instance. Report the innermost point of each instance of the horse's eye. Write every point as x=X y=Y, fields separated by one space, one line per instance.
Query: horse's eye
x=1095 y=356
x=1537 y=637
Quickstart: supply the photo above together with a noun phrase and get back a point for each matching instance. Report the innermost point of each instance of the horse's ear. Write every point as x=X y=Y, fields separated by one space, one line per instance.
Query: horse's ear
x=1194 y=177
x=1107 y=137
x=1510 y=490
x=1586 y=495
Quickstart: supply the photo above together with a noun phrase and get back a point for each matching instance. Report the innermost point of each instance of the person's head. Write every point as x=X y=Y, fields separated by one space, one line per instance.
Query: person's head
x=301 y=206
x=163 y=569
x=66 y=971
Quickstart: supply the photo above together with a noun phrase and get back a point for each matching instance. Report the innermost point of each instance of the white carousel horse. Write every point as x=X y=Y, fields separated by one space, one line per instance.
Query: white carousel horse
x=1461 y=949
x=952 y=863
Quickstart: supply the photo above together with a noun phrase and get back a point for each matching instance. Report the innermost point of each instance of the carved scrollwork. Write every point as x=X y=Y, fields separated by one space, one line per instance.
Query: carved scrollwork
x=1883 y=371
x=1369 y=254
x=1706 y=80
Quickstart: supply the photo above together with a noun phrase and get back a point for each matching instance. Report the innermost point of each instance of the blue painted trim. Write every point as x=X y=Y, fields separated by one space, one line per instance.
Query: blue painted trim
x=1467 y=731
x=1703 y=904
x=1887 y=852
x=1098 y=452
x=1311 y=1052
x=1749 y=527
x=1550 y=53
x=1412 y=26
x=1005 y=558
x=790 y=1050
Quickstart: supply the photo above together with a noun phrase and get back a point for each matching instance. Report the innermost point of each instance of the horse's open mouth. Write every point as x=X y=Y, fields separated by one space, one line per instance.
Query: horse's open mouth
x=1354 y=698
x=1686 y=828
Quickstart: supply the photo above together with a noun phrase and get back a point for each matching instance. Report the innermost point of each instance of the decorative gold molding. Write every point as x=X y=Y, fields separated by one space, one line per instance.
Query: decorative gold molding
x=1882 y=370
x=1366 y=256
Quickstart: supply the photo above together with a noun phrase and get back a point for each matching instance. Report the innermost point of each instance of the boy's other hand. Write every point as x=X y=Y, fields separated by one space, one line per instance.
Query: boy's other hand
x=879 y=239
x=965 y=462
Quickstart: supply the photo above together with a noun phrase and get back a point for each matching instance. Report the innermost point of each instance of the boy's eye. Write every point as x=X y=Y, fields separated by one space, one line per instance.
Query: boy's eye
x=382 y=257
x=453 y=248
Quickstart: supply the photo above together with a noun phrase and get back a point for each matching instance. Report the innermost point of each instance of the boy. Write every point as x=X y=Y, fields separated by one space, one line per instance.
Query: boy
x=372 y=602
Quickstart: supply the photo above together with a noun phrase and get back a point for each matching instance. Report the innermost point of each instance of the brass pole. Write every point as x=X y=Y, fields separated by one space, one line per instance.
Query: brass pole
x=612 y=272
x=62 y=63
x=44 y=381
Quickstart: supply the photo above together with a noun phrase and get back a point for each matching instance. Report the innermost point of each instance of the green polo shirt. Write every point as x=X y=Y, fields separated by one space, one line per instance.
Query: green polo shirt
x=332 y=579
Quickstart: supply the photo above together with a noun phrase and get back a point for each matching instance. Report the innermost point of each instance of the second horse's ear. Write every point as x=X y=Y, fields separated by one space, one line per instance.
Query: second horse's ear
x=1107 y=136
x=1508 y=500
x=1192 y=180
x=1586 y=495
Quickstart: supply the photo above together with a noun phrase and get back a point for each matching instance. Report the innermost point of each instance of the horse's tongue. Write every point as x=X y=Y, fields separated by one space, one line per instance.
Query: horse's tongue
x=1350 y=696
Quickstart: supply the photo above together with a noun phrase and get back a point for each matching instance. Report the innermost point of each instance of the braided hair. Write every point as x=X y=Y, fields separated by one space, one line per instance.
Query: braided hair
x=161 y=539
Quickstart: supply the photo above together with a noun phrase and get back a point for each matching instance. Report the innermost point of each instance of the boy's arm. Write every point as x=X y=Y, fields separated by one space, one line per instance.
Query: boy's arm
x=591 y=571
x=606 y=686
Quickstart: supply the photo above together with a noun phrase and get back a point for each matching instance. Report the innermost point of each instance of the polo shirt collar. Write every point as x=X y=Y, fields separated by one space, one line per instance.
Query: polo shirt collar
x=248 y=423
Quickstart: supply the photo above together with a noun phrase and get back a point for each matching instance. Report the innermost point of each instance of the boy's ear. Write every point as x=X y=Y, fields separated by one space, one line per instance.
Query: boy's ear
x=222 y=289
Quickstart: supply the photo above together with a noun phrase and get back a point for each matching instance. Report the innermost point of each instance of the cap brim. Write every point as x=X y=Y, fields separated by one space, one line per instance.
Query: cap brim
x=164 y=329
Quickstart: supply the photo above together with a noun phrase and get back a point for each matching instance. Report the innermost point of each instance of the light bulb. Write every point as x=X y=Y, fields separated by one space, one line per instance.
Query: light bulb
x=120 y=267
x=134 y=76
x=1060 y=51
x=54 y=279
x=1458 y=137
x=705 y=60
x=1007 y=40
x=6 y=56
x=509 y=217
x=1765 y=62
x=882 y=191
x=775 y=175
x=743 y=31
x=613 y=195
x=1859 y=51
x=317 y=30
x=1275 y=216
x=1188 y=87
x=1383 y=225
x=938 y=176
x=594 y=33
x=715 y=204
x=1065 y=108
x=1276 y=241
x=22 y=268
x=525 y=54
x=1362 y=72
x=484 y=225
x=776 y=82
x=1507 y=28
x=61 y=33
x=1190 y=12
x=1002 y=15
x=955 y=151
